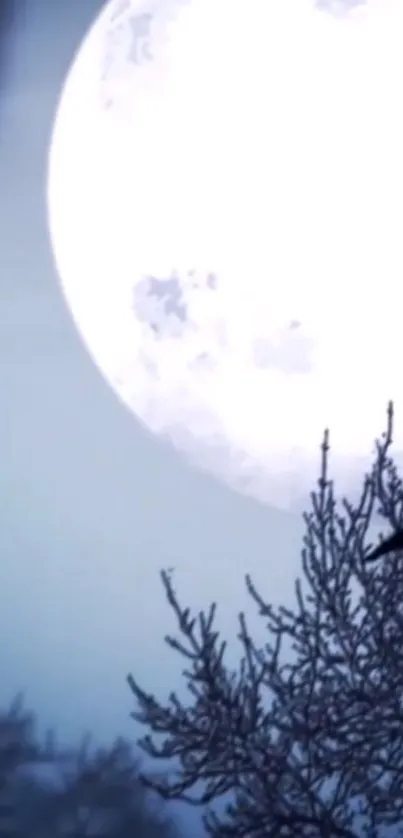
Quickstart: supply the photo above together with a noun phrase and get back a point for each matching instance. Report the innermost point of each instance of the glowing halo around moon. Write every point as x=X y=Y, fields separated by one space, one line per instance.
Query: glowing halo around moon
x=225 y=201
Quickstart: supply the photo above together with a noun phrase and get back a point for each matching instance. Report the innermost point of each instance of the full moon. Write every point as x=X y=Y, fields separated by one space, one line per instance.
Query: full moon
x=225 y=195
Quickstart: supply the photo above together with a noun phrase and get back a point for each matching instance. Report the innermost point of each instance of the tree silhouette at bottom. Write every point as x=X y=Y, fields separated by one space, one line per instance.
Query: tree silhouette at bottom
x=101 y=795
x=305 y=738
x=89 y=791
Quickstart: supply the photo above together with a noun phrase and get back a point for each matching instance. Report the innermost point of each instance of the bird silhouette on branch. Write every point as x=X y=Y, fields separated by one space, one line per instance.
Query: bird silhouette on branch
x=389 y=545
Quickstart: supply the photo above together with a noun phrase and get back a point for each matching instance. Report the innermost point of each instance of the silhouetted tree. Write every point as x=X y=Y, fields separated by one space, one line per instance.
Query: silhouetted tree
x=18 y=743
x=48 y=791
x=306 y=736
x=101 y=795
x=20 y=751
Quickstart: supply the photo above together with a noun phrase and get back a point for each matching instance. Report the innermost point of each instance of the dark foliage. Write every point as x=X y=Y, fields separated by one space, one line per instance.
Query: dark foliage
x=46 y=791
x=18 y=743
x=101 y=794
x=306 y=737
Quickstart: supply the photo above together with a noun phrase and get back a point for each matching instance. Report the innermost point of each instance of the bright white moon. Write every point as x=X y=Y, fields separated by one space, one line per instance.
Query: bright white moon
x=226 y=205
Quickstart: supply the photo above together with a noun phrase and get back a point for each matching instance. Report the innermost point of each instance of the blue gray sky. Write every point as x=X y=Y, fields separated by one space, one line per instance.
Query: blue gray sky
x=91 y=506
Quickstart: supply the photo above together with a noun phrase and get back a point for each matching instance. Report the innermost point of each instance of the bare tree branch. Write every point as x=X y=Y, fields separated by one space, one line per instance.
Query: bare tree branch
x=309 y=742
